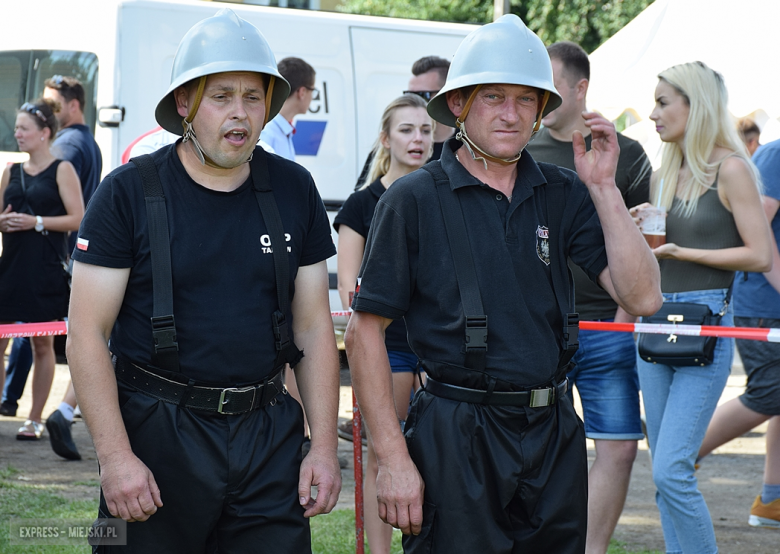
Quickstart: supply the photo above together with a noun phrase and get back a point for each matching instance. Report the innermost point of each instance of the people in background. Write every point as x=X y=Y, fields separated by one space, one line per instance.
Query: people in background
x=715 y=226
x=42 y=202
x=404 y=144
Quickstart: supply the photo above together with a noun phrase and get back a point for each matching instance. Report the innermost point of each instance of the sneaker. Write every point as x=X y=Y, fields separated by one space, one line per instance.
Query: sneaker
x=60 y=437
x=765 y=515
x=345 y=431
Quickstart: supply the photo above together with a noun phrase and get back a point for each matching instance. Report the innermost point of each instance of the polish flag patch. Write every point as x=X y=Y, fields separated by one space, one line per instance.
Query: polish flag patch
x=82 y=244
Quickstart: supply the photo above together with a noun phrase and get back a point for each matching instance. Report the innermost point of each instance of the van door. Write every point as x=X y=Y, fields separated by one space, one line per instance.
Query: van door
x=383 y=61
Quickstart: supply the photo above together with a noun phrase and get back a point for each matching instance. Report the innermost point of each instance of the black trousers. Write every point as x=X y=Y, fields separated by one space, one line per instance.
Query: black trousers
x=498 y=480
x=229 y=483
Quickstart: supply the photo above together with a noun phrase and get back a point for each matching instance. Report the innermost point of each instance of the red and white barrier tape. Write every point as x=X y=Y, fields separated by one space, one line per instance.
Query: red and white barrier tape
x=33 y=329
x=750 y=333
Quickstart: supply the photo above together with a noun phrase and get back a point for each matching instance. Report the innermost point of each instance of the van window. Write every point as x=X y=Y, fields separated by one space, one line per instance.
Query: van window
x=22 y=77
x=13 y=83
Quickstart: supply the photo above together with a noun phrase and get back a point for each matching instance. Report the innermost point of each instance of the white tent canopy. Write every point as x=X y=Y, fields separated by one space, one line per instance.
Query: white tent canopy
x=738 y=39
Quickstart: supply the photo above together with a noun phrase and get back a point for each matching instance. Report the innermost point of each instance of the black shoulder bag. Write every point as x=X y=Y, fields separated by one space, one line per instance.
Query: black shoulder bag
x=681 y=350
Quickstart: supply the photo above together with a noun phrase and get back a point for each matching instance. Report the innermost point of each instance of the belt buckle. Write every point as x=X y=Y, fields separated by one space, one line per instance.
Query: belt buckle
x=541 y=398
x=222 y=400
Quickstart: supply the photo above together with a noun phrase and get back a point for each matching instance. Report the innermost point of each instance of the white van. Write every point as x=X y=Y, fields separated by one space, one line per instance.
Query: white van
x=122 y=50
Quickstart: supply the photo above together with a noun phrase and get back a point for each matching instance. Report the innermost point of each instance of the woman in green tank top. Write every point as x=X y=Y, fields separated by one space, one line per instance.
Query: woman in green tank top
x=715 y=226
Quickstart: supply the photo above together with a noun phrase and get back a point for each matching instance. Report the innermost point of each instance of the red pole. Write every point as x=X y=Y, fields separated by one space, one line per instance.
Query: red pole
x=357 y=449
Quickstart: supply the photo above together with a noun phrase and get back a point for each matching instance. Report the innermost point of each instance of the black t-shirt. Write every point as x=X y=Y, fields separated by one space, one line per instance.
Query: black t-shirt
x=357 y=213
x=408 y=269
x=633 y=180
x=224 y=288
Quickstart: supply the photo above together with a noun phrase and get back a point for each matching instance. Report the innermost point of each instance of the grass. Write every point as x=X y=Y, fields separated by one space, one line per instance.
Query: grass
x=331 y=534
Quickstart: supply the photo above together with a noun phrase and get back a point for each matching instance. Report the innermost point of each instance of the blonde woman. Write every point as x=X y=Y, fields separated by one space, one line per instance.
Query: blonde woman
x=715 y=226
x=41 y=203
x=405 y=143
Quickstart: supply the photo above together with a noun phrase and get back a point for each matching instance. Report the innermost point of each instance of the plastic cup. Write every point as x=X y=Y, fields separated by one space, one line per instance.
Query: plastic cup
x=653 y=226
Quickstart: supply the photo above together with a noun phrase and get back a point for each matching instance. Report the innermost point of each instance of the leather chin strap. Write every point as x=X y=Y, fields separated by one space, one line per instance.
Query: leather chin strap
x=189 y=131
x=462 y=136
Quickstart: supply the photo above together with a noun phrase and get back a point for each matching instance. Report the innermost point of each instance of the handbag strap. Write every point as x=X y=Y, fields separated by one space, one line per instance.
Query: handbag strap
x=63 y=260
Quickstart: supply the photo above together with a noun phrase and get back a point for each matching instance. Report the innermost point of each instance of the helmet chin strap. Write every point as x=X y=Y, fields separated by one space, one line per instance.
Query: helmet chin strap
x=189 y=131
x=462 y=136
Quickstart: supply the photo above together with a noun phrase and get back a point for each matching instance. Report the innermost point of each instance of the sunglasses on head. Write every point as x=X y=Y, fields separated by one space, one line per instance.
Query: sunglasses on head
x=33 y=109
x=424 y=94
x=57 y=79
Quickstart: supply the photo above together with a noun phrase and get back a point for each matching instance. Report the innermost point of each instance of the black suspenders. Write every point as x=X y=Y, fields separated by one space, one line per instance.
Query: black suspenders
x=166 y=350
x=465 y=272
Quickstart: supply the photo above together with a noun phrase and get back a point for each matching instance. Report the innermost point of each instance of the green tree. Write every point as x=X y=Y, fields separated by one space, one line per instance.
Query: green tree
x=586 y=22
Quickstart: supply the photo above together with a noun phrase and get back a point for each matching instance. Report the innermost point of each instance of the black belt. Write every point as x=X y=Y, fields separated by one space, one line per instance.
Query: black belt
x=229 y=401
x=535 y=398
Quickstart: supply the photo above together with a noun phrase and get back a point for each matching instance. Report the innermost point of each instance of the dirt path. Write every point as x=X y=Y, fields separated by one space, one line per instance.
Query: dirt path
x=729 y=479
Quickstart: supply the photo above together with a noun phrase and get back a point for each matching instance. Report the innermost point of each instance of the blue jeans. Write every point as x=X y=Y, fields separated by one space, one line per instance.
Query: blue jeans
x=605 y=376
x=679 y=403
x=19 y=363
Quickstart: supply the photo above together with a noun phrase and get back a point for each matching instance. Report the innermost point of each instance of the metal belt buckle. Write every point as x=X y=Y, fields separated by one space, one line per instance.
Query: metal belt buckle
x=540 y=398
x=222 y=400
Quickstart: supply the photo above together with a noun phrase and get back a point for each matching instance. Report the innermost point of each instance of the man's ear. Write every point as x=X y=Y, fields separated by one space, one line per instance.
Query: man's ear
x=181 y=96
x=582 y=88
x=455 y=102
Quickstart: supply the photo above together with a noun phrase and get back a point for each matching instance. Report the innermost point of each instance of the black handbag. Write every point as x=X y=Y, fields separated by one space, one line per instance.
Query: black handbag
x=681 y=350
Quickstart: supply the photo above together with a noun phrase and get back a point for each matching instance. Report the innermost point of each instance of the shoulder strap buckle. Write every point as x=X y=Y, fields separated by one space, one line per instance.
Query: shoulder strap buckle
x=164 y=332
x=281 y=335
x=476 y=332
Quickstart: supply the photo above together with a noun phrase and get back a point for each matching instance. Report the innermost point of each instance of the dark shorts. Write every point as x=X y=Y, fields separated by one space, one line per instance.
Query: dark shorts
x=228 y=482
x=606 y=379
x=402 y=362
x=504 y=480
x=762 y=366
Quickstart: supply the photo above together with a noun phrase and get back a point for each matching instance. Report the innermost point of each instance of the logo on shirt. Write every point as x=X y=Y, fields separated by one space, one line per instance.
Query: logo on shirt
x=265 y=241
x=543 y=244
x=82 y=244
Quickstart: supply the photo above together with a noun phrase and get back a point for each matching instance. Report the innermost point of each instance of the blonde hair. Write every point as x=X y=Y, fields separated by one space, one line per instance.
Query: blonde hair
x=380 y=165
x=709 y=125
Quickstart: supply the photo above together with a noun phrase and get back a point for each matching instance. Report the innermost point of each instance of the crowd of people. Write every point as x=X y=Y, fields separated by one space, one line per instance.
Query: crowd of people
x=493 y=209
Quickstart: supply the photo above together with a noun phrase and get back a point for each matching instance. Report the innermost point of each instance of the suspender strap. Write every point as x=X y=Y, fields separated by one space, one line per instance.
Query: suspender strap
x=166 y=349
x=286 y=351
x=465 y=272
x=556 y=200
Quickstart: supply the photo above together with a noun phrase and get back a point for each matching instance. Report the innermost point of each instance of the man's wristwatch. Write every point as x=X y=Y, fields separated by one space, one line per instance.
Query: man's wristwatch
x=39 y=223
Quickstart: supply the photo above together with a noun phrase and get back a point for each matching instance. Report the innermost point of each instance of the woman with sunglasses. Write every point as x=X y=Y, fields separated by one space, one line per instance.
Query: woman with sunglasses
x=715 y=226
x=41 y=200
x=405 y=143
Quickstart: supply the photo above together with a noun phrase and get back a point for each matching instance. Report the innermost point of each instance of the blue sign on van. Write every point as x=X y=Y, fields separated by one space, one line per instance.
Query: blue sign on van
x=308 y=137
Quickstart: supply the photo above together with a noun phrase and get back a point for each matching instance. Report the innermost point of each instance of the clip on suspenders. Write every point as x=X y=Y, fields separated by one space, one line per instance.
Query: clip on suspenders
x=562 y=286
x=166 y=349
x=465 y=272
x=286 y=351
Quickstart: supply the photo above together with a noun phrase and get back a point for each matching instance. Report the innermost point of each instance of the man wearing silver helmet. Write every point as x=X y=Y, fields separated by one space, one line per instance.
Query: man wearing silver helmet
x=471 y=251
x=199 y=273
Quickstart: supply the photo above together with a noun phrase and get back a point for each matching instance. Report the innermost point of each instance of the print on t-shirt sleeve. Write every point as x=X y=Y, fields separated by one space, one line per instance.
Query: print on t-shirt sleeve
x=105 y=237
